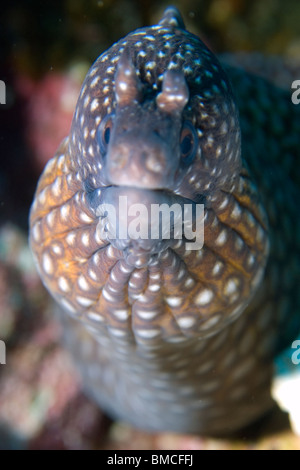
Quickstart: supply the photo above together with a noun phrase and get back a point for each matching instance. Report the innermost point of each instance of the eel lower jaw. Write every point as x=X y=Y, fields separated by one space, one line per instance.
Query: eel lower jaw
x=138 y=194
x=142 y=223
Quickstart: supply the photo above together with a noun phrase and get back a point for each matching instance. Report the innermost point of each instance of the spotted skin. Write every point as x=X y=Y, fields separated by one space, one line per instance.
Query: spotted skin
x=169 y=338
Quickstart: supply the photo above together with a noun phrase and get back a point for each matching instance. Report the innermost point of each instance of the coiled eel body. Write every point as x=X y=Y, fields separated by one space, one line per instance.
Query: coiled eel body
x=170 y=338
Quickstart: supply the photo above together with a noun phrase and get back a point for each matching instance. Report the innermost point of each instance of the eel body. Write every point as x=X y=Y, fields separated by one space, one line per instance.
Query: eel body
x=169 y=335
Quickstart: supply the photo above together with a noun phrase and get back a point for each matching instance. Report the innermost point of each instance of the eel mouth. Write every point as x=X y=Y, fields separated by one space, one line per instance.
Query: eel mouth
x=144 y=221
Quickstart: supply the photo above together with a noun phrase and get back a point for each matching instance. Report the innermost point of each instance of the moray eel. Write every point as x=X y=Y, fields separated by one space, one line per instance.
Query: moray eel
x=166 y=336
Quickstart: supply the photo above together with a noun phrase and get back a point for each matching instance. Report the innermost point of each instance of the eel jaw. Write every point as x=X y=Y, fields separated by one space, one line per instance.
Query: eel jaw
x=142 y=222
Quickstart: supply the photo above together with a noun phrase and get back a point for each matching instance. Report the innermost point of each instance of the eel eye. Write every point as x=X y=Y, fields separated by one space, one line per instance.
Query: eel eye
x=104 y=132
x=188 y=143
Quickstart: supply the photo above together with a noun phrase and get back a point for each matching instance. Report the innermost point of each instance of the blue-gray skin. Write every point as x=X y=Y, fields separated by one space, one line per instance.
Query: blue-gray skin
x=169 y=338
